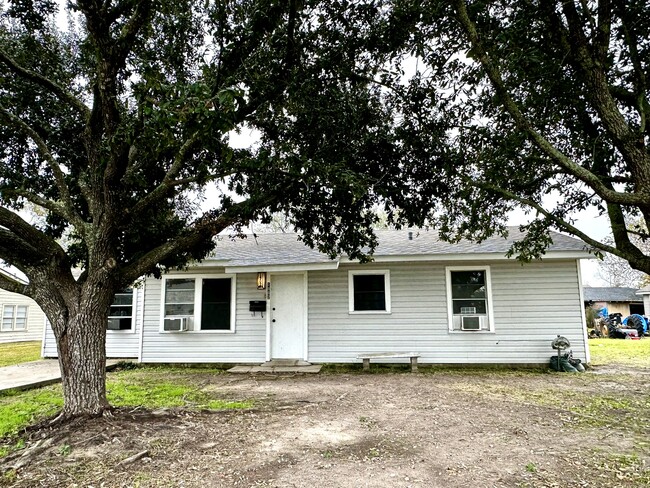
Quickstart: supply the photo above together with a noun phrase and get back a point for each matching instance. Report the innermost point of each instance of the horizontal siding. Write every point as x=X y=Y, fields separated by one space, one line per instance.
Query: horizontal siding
x=35 y=318
x=531 y=305
x=246 y=344
x=119 y=344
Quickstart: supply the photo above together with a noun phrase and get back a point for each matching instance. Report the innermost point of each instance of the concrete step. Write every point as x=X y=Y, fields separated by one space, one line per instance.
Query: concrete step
x=274 y=367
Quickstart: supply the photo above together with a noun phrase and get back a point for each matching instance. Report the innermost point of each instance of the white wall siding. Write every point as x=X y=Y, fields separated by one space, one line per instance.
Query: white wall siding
x=531 y=304
x=35 y=318
x=119 y=344
x=246 y=344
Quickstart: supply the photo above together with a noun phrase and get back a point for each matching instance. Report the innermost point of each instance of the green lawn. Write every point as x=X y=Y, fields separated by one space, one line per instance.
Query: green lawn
x=19 y=352
x=620 y=351
x=155 y=387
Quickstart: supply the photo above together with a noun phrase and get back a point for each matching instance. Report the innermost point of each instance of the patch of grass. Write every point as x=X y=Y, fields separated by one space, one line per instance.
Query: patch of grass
x=629 y=411
x=531 y=468
x=626 y=467
x=162 y=387
x=484 y=370
x=620 y=351
x=149 y=388
x=19 y=352
x=226 y=405
x=18 y=409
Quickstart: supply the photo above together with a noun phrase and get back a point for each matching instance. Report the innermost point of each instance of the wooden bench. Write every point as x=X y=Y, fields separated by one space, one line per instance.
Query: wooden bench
x=387 y=355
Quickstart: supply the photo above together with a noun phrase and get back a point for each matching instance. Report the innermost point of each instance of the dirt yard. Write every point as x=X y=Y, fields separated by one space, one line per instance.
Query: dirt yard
x=434 y=429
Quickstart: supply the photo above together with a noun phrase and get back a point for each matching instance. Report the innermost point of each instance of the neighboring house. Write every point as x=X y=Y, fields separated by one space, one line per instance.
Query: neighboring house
x=621 y=300
x=644 y=293
x=271 y=297
x=22 y=318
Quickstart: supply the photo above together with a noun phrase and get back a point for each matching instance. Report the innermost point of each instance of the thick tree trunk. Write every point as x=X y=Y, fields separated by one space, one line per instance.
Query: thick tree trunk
x=78 y=314
x=82 y=358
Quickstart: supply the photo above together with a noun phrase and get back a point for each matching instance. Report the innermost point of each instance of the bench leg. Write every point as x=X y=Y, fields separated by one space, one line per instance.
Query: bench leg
x=414 y=364
x=366 y=364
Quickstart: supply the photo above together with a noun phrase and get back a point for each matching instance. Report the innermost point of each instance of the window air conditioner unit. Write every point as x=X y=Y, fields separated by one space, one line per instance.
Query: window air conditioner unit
x=176 y=324
x=470 y=323
x=467 y=310
x=113 y=324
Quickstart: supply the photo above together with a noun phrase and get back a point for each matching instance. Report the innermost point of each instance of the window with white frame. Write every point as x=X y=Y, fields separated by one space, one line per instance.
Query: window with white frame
x=199 y=304
x=120 y=313
x=469 y=299
x=14 y=317
x=369 y=291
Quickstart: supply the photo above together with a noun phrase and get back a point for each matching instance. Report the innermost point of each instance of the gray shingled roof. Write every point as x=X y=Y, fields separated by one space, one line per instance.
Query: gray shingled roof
x=610 y=294
x=277 y=249
x=266 y=249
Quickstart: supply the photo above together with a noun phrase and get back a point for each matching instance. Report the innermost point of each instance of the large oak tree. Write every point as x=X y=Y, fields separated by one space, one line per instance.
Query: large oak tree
x=114 y=127
x=540 y=104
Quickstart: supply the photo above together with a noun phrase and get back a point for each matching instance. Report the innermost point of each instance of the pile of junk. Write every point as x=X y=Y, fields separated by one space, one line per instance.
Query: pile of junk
x=564 y=361
x=615 y=326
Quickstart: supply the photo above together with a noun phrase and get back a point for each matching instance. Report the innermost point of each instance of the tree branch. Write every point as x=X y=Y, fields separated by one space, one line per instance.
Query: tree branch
x=19 y=252
x=59 y=176
x=13 y=285
x=561 y=224
x=21 y=229
x=169 y=180
x=640 y=80
x=50 y=205
x=522 y=122
x=629 y=252
x=131 y=29
x=204 y=228
x=60 y=92
x=626 y=140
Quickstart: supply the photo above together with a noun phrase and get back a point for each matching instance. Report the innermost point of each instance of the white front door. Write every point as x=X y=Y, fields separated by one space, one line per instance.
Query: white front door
x=287 y=316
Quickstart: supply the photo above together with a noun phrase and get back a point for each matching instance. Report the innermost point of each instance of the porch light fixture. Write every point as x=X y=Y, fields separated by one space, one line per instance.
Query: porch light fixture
x=261 y=281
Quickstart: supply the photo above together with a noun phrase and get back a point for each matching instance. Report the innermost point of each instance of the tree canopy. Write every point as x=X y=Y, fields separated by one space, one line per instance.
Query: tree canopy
x=538 y=104
x=115 y=126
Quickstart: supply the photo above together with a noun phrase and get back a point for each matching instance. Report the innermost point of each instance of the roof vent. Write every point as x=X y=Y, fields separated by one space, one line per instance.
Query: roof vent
x=410 y=236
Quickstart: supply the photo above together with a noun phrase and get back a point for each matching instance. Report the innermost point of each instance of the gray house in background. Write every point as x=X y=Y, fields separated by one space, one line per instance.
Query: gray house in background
x=22 y=319
x=625 y=301
x=271 y=297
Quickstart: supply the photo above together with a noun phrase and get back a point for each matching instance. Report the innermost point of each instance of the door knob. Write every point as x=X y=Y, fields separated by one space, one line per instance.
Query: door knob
x=273 y=320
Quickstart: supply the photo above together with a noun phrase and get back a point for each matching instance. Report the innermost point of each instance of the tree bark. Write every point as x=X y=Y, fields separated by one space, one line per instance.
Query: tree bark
x=82 y=359
x=80 y=330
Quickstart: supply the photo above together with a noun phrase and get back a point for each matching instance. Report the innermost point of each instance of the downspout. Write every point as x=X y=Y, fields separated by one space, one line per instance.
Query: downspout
x=141 y=319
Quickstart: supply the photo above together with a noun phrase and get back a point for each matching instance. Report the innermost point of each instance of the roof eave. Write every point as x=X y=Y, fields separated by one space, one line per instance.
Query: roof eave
x=278 y=268
x=492 y=256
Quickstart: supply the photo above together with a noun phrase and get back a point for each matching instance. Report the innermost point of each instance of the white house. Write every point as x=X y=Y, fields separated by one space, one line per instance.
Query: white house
x=22 y=318
x=271 y=297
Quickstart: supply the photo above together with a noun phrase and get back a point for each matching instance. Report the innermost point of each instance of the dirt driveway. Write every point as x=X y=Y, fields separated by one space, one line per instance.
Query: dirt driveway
x=441 y=429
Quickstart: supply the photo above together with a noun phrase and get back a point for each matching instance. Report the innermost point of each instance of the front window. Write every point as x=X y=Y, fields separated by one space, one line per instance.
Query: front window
x=179 y=304
x=468 y=297
x=120 y=313
x=199 y=304
x=14 y=317
x=369 y=291
x=215 y=304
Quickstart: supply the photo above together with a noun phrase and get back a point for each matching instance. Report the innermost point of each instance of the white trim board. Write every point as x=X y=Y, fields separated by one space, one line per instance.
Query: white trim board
x=275 y=268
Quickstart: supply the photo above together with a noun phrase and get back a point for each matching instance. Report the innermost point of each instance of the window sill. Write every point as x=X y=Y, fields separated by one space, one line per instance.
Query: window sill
x=120 y=331
x=231 y=331
x=470 y=332
x=369 y=312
